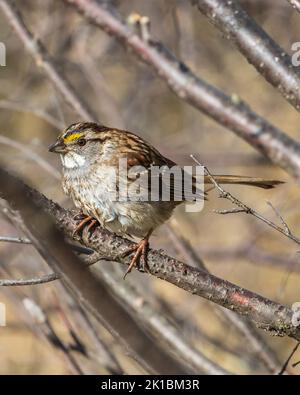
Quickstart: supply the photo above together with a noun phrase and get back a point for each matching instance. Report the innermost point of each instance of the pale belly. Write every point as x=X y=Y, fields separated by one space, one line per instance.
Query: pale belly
x=98 y=199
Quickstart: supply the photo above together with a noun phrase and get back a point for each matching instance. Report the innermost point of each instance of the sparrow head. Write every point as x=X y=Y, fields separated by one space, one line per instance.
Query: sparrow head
x=76 y=137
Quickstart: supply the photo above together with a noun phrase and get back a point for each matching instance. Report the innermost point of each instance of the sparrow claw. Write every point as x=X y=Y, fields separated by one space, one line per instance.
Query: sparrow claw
x=79 y=216
x=81 y=227
x=140 y=258
x=87 y=231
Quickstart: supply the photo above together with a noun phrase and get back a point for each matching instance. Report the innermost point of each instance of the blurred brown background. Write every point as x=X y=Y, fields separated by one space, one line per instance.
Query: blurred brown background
x=125 y=93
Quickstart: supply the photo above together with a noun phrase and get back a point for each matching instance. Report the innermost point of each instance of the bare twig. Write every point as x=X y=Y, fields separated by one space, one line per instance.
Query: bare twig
x=75 y=247
x=255 y=44
x=231 y=112
x=21 y=240
x=243 y=208
x=289 y=359
x=284 y=224
x=32 y=281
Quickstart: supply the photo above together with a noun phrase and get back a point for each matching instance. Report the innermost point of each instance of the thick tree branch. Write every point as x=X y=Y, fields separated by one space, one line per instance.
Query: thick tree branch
x=256 y=45
x=266 y=314
x=231 y=112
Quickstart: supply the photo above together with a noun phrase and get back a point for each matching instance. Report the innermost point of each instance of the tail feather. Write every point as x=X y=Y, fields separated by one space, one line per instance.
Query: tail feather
x=241 y=180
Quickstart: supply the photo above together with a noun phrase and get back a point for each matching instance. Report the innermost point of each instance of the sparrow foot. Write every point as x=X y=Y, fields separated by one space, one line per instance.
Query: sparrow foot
x=87 y=231
x=79 y=216
x=83 y=224
x=140 y=257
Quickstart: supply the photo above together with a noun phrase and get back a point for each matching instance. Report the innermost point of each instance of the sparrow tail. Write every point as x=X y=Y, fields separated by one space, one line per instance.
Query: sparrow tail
x=241 y=180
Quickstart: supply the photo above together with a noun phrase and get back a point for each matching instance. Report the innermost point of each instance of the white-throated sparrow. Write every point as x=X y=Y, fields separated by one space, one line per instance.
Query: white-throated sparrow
x=91 y=155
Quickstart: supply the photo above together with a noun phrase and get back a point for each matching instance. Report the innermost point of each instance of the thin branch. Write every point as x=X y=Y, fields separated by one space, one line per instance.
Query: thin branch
x=21 y=240
x=43 y=60
x=271 y=61
x=77 y=248
x=231 y=112
x=32 y=281
x=289 y=359
x=271 y=316
x=243 y=208
x=284 y=224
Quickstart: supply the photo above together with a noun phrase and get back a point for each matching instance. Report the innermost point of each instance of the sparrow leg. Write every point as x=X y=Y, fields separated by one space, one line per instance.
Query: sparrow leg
x=93 y=223
x=141 y=254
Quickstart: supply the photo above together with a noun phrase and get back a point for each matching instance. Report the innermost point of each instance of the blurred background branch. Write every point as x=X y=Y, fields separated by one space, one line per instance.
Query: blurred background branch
x=271 y=61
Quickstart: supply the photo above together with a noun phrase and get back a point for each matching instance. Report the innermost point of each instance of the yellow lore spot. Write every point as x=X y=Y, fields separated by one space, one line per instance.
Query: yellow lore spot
x=72 y=137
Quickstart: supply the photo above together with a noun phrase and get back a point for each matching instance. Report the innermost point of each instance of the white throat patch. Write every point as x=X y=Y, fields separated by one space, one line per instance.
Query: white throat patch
x=72 y=160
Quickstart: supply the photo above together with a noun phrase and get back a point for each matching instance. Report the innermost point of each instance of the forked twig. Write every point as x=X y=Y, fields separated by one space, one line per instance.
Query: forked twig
x=243 y=208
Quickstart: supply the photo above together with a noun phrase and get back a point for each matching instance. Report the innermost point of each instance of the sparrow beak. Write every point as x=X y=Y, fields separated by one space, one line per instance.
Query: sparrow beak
x=58 y=147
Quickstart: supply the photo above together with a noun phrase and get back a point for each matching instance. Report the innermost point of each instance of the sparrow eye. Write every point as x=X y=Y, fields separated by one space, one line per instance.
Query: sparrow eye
x=81 y=142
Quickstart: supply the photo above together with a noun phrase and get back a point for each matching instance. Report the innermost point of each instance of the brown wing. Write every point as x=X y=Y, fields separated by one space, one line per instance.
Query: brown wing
x=161 y=179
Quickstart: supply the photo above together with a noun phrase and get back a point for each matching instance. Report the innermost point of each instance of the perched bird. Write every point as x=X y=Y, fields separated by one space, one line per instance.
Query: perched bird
x=91 y=154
